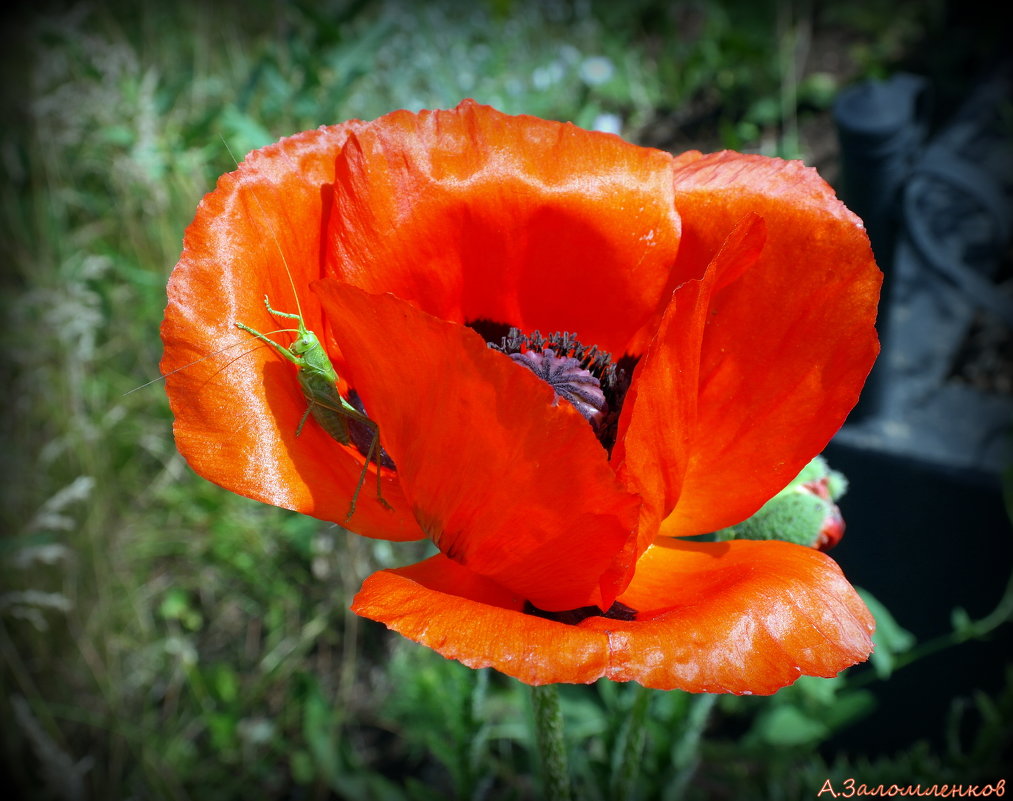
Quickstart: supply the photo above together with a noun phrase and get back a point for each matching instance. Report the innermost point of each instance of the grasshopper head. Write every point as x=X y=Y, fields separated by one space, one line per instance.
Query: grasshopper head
x=313 y=359
x=307 y=342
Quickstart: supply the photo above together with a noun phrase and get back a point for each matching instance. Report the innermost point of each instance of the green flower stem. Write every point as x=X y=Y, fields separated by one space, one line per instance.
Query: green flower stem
x=551 y=742
x=972 y=630
x=685 y=753
x=630 y=746
x=472 y=748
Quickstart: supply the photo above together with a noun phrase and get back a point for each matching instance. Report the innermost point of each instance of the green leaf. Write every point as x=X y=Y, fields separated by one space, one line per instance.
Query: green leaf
x=319 y=731
x=890 y=638
x=222 y=727
x=818 y=89
x=225 y=683
x=244 y=132
x=788 y=725
x=849 y=706
x=962 y=624
x=301 y=765
x=817 y=690
x=175 y=604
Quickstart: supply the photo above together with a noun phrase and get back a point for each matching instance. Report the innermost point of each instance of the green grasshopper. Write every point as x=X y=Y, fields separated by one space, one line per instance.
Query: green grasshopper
x=318 y=381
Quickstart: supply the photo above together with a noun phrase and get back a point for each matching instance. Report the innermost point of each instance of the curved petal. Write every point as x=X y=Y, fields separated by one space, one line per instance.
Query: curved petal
x=236 y=402
x=787 y=345
x=475 y=215
x=736 y=617
x=502 y=480
x=659 y=414
x=739 y=617
x=465 y=617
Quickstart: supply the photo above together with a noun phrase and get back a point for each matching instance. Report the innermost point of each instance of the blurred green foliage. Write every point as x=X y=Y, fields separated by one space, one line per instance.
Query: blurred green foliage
x=162 y=638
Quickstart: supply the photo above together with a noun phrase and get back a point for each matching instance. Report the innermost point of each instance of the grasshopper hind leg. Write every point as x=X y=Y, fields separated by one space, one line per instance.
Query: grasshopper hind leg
x=302 y=420
x=365 y=435
x=373 y=454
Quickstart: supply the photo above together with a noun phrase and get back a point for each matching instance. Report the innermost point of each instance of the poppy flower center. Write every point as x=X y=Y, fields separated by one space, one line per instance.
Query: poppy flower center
x=568 y=379
x=586 y=377
x=572 y=617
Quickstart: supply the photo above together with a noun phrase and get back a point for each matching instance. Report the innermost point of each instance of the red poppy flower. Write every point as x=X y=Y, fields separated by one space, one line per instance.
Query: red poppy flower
x=735 y=298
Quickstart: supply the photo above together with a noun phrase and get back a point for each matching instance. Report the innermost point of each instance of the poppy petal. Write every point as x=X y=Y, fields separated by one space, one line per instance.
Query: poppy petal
x=788 y=344
x=472 y=214
x=659 y=414
x=466 y=617
x=237 y=403
x=501 y=477
x=737 y=617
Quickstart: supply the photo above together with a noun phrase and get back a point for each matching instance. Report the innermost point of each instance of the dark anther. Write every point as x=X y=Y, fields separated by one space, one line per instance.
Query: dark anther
x=490 y=330
x=572 y=617
x=615 y=395
x=362 y=435
x=620 y=611
x=563 y=344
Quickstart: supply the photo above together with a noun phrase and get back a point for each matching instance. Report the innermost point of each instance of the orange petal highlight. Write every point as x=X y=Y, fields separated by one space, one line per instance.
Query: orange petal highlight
x=736 y=617
x=503 y=481
x=739 y=617
x=236 y=402
x=473 y=214
x=788 y=344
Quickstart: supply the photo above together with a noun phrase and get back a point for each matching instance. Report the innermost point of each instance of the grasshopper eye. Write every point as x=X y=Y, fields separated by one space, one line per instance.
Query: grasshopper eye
x=304 y=344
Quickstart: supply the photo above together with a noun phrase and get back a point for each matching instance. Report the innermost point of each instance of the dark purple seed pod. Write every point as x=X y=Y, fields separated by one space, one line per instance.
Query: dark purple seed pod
x=568 y=379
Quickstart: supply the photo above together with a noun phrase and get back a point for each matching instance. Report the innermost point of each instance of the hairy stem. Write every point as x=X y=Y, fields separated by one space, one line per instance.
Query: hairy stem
x=551 y=742
x=686 y=752
x=630 y=746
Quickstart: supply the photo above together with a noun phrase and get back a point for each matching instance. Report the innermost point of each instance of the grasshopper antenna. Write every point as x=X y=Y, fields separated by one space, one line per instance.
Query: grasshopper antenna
x=208 y=356
x=274 y=236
